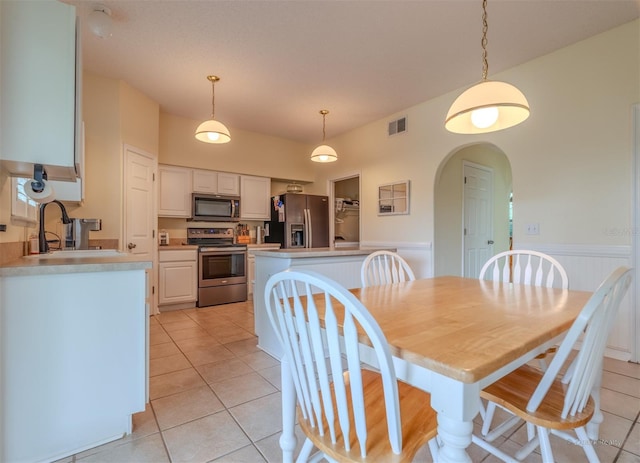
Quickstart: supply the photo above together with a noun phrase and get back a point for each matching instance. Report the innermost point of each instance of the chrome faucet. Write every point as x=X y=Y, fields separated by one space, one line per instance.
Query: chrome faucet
x=44 y=246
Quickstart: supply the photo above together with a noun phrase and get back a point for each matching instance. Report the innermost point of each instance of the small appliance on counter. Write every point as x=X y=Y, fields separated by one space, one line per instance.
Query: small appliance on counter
x=163 y=237
x=76 y=233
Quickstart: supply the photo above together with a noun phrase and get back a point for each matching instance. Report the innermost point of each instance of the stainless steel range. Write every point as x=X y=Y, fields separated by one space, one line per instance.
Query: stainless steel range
x=222 y=266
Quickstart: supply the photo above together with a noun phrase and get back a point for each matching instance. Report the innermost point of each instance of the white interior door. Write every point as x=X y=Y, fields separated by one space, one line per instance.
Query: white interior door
x=477 y=218
x=140 y=218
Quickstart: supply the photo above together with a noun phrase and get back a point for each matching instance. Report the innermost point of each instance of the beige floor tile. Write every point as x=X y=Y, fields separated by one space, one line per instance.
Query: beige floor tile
x=163 y=350
x=632 y=444
x=619 y=404
x=626 y=457
x=238 y=390
x=259 y=360
x=244 y=347
x=226 y=369
x=172 y=383
x=187 y=333
x=179 y=325
x=148 y=449
x=185 y=406
x=168 y=364
x=272 y=374
x=160 y=337
x=172 y=316
x=248 y=454
x=621 y=383
x=198 y=342
x=235 y=336
x=260 y=418
x=209 y=355
x=622 y=367
x=205 y=439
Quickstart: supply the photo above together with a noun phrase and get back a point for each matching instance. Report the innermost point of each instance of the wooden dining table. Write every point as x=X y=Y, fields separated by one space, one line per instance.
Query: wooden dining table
x=453 y=336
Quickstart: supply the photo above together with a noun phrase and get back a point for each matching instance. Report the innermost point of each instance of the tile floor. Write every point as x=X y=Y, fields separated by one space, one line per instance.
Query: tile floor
x=215 y=397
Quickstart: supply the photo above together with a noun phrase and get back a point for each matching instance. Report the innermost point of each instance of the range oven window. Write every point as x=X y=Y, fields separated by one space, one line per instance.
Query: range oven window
x=215 y=266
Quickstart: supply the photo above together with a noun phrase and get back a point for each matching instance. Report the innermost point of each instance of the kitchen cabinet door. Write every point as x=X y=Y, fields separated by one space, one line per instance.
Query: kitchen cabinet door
x=228 y=184
x=40 y=79
x=175 y=191
x=255 y=194
x=205 y=181
x=178 y=276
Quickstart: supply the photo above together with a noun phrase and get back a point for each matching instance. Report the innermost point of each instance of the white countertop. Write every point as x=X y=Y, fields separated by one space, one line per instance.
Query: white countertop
x=36 y=265
x=318 y=252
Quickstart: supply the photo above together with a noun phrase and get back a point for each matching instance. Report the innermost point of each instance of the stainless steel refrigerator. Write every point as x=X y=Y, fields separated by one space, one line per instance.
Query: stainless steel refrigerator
x=298 y=221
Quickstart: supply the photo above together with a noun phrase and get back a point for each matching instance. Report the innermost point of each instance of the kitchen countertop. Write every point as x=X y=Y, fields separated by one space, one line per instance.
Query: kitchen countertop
x=179 y=247
x=318 y=252
x=35 y=265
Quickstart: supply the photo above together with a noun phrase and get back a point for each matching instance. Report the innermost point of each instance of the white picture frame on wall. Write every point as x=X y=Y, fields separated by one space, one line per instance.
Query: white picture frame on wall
x=393 y=198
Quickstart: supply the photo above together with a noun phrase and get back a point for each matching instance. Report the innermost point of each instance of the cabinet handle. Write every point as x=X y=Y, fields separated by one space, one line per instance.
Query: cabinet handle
x=490 y=242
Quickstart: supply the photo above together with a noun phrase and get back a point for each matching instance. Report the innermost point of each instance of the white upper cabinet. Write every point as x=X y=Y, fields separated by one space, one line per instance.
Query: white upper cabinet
x=254 y=198
x=221 y=183
x=175 y=191
x=205 y=181
x=39 y=81
x=228 y=184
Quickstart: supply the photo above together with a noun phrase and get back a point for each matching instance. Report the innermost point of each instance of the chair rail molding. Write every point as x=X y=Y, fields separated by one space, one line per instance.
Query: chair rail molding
x=418 y=254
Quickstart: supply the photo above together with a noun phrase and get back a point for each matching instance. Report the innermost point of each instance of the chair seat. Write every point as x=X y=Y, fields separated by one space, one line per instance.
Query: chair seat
x=514 y=391
x=419 y=424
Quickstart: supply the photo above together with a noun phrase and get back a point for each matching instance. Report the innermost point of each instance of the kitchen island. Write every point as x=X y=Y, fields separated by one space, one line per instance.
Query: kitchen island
x=74 y=336
x=341 y=264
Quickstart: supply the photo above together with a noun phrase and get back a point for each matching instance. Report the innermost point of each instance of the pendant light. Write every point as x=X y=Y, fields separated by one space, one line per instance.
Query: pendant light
x=489 y=105
x=212 y=131
x=324 y=153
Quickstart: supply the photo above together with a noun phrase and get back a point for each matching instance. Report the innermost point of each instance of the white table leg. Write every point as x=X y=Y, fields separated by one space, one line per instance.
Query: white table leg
x=455 y=437
x=457 y=404
x=288 y=437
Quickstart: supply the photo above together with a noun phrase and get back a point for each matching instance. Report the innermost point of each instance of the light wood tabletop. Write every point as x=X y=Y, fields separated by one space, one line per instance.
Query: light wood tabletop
x=465 y=328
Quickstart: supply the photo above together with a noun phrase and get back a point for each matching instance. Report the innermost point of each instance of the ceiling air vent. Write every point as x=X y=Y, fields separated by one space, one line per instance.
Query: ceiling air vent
x=398 y=126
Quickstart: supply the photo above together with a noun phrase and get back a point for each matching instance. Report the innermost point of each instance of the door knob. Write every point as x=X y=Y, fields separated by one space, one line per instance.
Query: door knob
x=488 y=242
x=131 y=245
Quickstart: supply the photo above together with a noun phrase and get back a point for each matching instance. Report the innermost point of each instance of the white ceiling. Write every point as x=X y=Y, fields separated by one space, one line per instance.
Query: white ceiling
x=280 y=62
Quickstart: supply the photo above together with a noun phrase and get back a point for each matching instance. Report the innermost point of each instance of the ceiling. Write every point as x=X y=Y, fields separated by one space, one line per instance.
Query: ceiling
x=280 y=62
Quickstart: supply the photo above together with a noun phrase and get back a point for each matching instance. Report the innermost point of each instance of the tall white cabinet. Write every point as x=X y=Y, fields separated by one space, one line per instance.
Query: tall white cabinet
x=255 y=195
x=40 y=80
x=175 y=191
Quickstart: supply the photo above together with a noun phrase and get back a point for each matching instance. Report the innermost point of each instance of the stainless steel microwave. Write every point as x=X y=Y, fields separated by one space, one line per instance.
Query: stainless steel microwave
x=215 y=208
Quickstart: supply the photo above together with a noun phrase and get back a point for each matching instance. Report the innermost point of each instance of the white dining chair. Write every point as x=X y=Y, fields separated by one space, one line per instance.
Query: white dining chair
x=525 y=267
x=520 y=267
x=554 y=404
x=346 y=411
x=384 y=267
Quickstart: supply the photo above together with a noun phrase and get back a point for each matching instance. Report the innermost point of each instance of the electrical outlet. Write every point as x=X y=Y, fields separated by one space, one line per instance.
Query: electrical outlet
x=533 y=229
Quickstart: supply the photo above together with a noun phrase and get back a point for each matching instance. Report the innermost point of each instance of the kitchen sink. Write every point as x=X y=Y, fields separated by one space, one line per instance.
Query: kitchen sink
x=79 y=254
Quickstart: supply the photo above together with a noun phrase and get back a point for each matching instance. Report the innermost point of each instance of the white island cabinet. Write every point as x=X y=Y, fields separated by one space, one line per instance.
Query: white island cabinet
x=74 y=338
x=342 y=265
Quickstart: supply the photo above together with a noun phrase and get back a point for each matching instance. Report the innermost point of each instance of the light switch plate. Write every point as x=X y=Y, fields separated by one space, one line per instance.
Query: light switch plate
x=533 y=229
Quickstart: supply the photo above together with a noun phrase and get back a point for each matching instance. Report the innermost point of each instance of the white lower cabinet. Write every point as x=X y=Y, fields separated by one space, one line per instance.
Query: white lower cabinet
x=251 y=264
x=178 y=277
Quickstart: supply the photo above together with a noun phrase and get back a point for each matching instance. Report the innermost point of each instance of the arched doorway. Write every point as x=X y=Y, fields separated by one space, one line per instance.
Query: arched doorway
x=449 y=205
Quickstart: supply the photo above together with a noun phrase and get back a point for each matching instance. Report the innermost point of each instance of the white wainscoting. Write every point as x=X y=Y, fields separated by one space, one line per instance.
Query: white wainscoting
x=418 y=255
x=586 y=266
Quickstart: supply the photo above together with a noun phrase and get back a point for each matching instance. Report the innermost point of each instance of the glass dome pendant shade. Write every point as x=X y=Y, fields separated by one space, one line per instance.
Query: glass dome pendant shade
x=489 y=105
x=324 y=153
x=213 y=131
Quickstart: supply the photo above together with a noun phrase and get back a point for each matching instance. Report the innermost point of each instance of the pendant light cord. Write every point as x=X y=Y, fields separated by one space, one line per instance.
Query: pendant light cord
x=323 y=126
x=485 y=28
x=213 y=99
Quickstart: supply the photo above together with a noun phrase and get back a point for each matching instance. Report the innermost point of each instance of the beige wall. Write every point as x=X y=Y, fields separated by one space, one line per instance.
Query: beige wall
x=571 y=160
x=246 y=153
